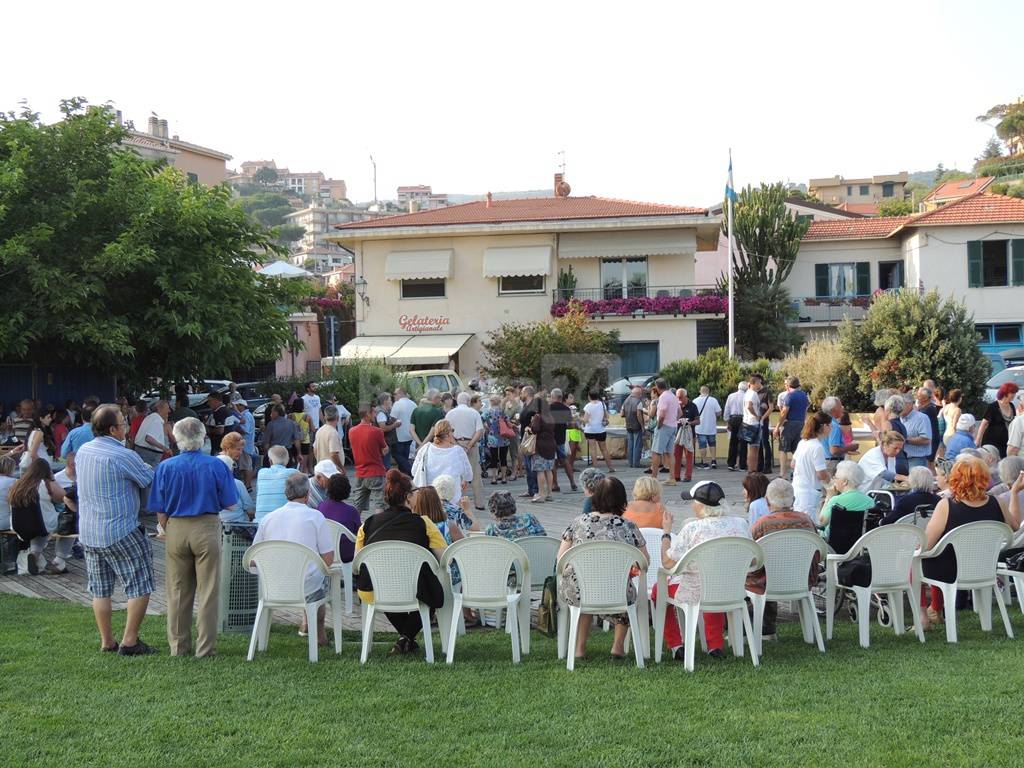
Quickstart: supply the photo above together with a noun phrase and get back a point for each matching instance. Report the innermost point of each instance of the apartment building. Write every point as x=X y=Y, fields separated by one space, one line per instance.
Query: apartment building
x=298 y=182
x=420 y=197
x=859 y=195
x=201 y=165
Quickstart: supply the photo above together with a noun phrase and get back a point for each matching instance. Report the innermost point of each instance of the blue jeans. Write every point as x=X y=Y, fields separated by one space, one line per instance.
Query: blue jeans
x=917 y=461
x=634 y=447
x=402 y=457
x=531 y=476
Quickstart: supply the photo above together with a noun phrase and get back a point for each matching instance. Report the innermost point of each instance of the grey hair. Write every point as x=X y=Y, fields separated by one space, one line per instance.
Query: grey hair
x=925 y=391
x=445 y=487
x=988 y=453
x=908 y=399
x=920 y=479
x=894 y=404
x=705 y=389
x=463 y=398
x=829 y=404
x=973 y=453
x=278 y=454
x=743 y=386
x=189 y=434
x=682 y=391
x=591 y=477
x=850 y=472
x=780 y=494
x=431 y=394
x=296 y=486
x=722 y=510
x=1010 y=468
x=501 y=505
x=331 y=413
x=556 y=393
x=882 y=397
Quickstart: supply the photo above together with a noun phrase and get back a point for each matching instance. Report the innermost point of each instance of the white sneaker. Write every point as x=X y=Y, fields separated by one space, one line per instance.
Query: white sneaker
x=23 y=563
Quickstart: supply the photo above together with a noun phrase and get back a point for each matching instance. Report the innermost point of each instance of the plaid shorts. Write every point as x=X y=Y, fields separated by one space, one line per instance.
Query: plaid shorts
x=130 y=560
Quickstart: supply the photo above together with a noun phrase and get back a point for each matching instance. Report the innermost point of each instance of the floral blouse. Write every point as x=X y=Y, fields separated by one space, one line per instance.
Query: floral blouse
x=457 y=516
x=598 y=527
x=694 y=532
x=518 y=526
x=492 y=419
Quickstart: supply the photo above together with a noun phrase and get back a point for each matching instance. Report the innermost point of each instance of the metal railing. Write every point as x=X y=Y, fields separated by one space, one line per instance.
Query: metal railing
x=632 y=292
x=829 y=309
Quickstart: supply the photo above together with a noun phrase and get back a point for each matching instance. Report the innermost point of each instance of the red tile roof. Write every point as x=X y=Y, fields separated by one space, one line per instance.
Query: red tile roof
x=855 y=229
x=864 y=209
x=979 y=208
x=954 y=190
x=529 y=209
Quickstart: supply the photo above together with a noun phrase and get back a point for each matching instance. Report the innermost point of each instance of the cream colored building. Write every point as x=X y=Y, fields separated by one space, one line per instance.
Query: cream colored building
x=859 y=195
x=199 y=164
x=432 y=284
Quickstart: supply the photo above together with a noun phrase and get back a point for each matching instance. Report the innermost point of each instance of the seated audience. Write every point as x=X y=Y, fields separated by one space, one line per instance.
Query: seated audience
x=270 y=482
x=457 y=513
x=755 y=485
x=590 y=478
x=646 y=509
x=846 y=485
x=922 y=485
x=962 y=437
x=508 y=523
x=335 y=508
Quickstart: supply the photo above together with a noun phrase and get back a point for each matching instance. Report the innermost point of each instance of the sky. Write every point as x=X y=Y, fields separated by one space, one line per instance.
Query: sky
x=645 y=98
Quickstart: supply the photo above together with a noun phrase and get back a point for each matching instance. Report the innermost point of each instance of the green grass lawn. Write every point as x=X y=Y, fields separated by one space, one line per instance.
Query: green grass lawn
x=898 y=703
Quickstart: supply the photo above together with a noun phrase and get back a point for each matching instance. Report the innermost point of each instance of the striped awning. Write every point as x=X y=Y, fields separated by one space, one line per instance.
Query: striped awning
x=418 y=265
x=527 y=261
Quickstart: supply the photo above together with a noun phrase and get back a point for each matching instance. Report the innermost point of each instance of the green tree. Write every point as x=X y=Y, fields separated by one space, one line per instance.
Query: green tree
x=767 y=240
x=916 y=191
x=717 y=371
x=993 y=151
x=1009 y=122
x=289 y=233
x=266 y=176
x=906 y=337
x=895 y=207
x=567 y=352
x=799 y=193
x=114 y=262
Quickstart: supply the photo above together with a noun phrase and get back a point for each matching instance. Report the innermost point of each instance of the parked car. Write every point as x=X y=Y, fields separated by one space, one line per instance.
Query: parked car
x=1014 y=374
x=198 y=392
x=618 y=390
x=441 y=379
x=995 y=360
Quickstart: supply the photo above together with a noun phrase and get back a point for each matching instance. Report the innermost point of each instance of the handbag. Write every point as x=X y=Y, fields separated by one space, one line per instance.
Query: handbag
x=528 y=445
x=547 y=614
x=855 y=572
x=505 y=430
x=419 y=478
x=67 y=523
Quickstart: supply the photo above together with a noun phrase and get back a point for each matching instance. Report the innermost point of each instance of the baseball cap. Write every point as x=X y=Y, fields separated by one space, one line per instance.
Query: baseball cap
x=325 y=468
x=965 y=423
x=707 y=492
x=240 y=401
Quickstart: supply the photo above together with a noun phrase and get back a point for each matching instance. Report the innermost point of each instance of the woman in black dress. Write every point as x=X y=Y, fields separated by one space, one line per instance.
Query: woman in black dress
x=995 y=426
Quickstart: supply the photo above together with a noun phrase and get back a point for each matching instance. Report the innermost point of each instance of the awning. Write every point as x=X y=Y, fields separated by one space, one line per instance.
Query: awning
x=418 y=265
x=435 y=349
x=370 y=348
x=526 y=261
x=626 y=243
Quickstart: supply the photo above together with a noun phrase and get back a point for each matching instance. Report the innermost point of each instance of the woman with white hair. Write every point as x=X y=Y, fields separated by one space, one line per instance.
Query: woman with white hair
x=457 y=513
x=1010 y=469
x=848 y=495
x=270 y=482
x=922 y=493
x=714 y=519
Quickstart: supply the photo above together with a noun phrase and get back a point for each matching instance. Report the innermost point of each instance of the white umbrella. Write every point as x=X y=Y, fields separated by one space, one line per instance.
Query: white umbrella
x=283 y=269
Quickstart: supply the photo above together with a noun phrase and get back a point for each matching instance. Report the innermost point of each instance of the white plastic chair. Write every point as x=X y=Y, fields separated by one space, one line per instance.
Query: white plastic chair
x=484 y=563
x=394 y=568
x=892 y=550
x=282 y=568
x=542 y=555
x=723 y=565
x=915 y=520
x=340 y=572
x=788 y=556
x=602 y=570
x=977 y=547
x=652 y=538
x=1015 y=577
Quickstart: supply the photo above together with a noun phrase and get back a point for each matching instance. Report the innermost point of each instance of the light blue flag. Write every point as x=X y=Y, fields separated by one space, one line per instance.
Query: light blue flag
x=730 y=191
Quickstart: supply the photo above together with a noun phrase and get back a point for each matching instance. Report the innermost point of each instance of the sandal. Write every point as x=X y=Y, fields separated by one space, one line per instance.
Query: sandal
x=537 y=500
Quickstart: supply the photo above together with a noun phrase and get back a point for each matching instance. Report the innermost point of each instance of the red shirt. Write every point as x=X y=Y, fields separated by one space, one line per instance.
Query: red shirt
x=368 y=444
x=133 y=428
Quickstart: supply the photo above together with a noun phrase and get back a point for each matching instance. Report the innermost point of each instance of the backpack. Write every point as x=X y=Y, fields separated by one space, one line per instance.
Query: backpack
x=547 y=614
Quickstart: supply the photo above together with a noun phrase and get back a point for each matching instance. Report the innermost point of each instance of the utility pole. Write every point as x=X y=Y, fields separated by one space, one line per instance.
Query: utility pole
x=374 y=163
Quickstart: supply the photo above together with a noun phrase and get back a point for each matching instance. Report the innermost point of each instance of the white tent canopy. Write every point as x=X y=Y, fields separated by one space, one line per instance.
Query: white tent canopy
x=283 y=269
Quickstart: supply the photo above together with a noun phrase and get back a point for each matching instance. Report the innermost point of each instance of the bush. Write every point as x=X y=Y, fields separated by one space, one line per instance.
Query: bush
x=354 y=384
x=715 y=369
x=824 y=370
x=906 y=337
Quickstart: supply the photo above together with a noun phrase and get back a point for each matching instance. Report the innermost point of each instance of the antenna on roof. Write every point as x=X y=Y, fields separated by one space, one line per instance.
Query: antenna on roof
x=374 y=164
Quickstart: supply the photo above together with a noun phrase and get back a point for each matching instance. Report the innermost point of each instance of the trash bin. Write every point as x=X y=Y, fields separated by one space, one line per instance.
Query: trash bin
x=239 y=593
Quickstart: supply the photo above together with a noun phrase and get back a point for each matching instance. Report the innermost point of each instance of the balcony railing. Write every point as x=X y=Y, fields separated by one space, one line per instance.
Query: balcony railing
x=641 y=301
x=829 y=309
x=632 y=292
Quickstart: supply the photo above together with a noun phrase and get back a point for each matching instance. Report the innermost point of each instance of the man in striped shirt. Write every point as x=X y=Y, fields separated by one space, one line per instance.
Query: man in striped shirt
x=109 y=480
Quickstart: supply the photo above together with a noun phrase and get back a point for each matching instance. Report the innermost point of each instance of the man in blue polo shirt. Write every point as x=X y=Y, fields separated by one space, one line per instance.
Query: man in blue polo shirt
x=793 y=411
x=836 y=450
x=187 y=494
x=80 y=435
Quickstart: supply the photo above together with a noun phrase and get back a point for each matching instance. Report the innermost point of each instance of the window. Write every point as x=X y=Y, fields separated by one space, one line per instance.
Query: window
x=864 y=191
x=849 y=190
x=521 y=284
x=432 y=288
x=995 y=263
x=193 y=179
x=438 y=382
x=985 y=332
x=888 y=189
x=1007 y=334
x=890 y=275
x=842 y=280
x=624 y=278
x=639 y=357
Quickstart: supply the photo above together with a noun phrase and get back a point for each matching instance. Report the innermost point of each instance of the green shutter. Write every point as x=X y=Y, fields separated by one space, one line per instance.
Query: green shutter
x=974 y=271
x=863 y=278
x=821 y=280
x=1017 y=262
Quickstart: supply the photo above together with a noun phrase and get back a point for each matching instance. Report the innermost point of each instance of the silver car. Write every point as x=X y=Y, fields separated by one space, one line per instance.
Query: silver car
x=1014 y=374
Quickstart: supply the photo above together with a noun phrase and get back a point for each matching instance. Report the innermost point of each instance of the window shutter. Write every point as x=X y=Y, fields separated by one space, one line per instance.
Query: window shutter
x=1017 y=262
x=863 y=278
x=821 y=280
x=974 y=271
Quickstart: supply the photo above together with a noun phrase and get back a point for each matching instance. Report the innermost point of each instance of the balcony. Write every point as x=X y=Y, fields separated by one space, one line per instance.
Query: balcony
x=829 y=310
x=640 y=301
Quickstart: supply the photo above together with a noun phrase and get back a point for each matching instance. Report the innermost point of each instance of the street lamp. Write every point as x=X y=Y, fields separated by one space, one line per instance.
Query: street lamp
x=361 y=284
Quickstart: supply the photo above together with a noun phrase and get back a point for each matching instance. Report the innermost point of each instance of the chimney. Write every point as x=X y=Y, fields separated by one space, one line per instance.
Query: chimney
x=163 y=129
x=154 y=127
x=562 y=188
x=489 y=200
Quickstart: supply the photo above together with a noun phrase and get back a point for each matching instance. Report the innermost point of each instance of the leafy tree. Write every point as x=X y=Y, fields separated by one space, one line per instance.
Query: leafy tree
x=823 y=370
x=767 y=241
x=993 y=150
x=1009 y=123
x=567 y=352
x=802 y=194
x=916 y=192
x=113 y=262
x=266 y=176
x=906 y=337
x=952 y=175
x=717 y=371
x=289 y=233
x=895 y=207
x=272 y=217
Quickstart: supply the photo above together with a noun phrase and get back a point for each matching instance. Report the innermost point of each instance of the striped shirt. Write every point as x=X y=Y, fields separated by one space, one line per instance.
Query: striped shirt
x=109 y=478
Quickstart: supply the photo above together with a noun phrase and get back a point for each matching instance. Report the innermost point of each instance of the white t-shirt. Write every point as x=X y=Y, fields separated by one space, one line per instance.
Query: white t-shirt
x=709 y=411
x=402 y=410
x=595 y=411
x=311 y=407
x=751 y=399
x=152 y=426
x=445 y=461
x=808 y=460
x=1017 y=434
x=873 y=464
x=465 y=421
x=299 y=524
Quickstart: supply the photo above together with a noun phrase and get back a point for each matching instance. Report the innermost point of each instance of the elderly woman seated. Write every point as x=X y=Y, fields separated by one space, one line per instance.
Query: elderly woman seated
x=922 y=493
x=713 y=520
x=1009 y=470
x=508 y=523
x=457 y=513
x=590 y=478
x=646 y=509
x=847 y=494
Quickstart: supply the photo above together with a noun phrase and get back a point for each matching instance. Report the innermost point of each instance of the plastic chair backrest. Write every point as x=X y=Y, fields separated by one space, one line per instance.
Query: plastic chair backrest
x=484 y=563
x=788 y=556
x=845 y=528
x=337 y=531
x=602 y=570
x=723 y=565
x=652 y=537
x=891 y=550
x=282 y=567
x=394 y=568
x=977 y=547
x=542 y=554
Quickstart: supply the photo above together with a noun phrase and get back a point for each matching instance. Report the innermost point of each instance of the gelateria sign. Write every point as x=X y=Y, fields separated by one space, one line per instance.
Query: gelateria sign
x=423 y=323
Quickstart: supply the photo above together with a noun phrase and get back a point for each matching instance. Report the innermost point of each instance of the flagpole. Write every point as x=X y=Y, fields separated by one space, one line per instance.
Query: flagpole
x=732 y=317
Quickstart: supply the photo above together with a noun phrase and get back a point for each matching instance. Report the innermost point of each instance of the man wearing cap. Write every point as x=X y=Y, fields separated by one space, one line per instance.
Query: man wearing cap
x=322 y=473
x=963 y=437
x=246 y=427
x=713 y=520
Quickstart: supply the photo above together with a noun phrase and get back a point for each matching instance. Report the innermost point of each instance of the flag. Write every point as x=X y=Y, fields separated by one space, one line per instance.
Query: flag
x=730 y=192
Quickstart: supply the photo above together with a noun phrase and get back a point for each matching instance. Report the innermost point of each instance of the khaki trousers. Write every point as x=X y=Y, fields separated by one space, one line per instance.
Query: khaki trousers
x=192 y=571
x=478 y=486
